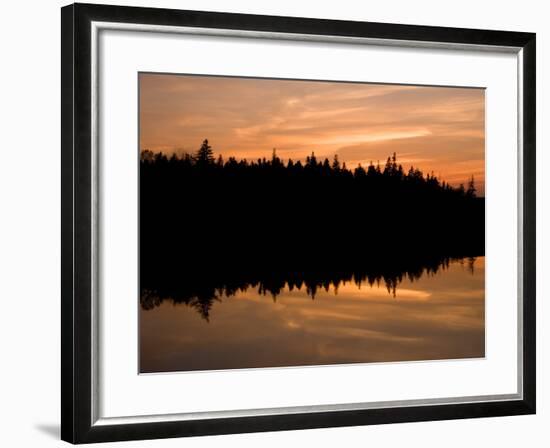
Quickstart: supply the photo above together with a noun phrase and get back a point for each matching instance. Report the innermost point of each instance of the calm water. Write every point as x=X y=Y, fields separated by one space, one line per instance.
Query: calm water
x=438 y=316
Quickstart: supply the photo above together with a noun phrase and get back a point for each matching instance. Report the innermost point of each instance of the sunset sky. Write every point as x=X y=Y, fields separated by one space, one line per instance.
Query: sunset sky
x=437 y=129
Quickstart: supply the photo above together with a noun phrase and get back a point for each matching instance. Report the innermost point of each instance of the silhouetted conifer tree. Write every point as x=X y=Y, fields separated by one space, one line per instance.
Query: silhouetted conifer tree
x=204 y=155
x=471 y=191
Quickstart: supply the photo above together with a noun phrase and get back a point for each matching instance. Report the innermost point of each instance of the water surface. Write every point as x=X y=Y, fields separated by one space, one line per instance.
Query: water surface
x=434 y=315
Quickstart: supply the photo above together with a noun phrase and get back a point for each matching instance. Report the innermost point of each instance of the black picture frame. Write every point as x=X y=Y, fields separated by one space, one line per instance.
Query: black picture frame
x=77 y=424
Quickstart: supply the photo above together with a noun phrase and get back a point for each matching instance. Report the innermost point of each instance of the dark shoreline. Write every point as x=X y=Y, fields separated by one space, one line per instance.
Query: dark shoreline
x=207 y=226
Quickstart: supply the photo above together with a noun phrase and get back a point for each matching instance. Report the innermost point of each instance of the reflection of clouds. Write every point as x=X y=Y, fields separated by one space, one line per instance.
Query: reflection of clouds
x=247 y=118
x=437 y=317
x=366 y=292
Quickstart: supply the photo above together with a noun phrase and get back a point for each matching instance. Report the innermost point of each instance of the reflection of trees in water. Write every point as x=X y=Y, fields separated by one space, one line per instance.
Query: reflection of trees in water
x=202 y=294
x=201 y=303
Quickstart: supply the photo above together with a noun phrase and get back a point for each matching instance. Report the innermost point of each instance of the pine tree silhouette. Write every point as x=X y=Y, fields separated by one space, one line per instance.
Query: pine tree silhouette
x=471 y=190
x=205 y=155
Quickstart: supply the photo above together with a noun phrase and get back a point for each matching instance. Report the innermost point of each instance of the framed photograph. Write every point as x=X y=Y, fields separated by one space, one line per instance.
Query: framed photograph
x=275 y=223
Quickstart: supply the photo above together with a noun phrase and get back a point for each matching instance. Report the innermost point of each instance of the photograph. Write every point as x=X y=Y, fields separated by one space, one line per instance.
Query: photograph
x=275 y=224
x=294 y=222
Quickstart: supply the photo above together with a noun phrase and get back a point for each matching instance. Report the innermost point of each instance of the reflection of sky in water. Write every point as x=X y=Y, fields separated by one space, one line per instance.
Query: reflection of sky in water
x=437 y=317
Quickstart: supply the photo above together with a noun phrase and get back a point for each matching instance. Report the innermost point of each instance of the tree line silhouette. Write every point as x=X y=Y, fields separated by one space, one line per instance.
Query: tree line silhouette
x=209 y=225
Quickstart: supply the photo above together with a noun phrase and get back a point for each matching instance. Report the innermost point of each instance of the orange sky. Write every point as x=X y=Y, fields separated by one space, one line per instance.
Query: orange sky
x=437 y=129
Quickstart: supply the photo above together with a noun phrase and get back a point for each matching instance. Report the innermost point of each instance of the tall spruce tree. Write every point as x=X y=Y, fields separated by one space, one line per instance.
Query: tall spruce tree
x=205 y=155
x=471 y=191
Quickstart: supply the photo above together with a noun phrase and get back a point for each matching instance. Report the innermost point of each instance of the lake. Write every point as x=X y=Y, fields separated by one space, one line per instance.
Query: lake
x=431 y=316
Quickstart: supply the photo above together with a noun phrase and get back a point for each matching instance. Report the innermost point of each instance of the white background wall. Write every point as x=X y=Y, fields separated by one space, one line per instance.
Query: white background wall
x=30 y=224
